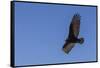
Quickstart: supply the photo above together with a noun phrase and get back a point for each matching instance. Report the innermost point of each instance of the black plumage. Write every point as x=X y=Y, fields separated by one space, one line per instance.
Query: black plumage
x=72 y=39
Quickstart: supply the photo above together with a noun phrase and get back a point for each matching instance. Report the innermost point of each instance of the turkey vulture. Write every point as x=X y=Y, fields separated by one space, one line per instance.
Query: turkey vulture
x=72 y=39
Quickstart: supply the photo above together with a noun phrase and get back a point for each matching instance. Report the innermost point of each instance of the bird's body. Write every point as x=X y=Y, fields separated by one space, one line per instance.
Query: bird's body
x=73 y=34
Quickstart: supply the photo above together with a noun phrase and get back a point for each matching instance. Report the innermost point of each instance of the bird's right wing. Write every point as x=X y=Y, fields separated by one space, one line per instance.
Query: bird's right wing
x=68 y=47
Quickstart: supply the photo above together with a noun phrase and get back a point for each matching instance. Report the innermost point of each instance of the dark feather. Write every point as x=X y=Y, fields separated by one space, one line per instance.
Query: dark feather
x=73 y=34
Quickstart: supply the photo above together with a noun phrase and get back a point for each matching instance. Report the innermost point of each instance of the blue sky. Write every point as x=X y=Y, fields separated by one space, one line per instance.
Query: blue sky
x=40 y=31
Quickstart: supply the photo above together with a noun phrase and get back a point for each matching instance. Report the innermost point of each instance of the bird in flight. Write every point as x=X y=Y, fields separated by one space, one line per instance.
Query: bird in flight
x=74 y=30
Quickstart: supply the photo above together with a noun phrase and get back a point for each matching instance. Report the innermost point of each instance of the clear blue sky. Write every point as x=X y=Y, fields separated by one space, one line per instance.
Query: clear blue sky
x=40 y=31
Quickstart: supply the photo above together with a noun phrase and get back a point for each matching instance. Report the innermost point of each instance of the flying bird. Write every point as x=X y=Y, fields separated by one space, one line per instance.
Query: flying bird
x=74 y=30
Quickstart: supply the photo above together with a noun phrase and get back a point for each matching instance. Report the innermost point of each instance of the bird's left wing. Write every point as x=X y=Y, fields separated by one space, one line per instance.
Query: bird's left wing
x=68 y=46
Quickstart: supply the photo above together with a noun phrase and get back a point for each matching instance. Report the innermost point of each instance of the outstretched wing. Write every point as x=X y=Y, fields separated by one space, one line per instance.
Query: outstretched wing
x=76 y=24
x=68 y=46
